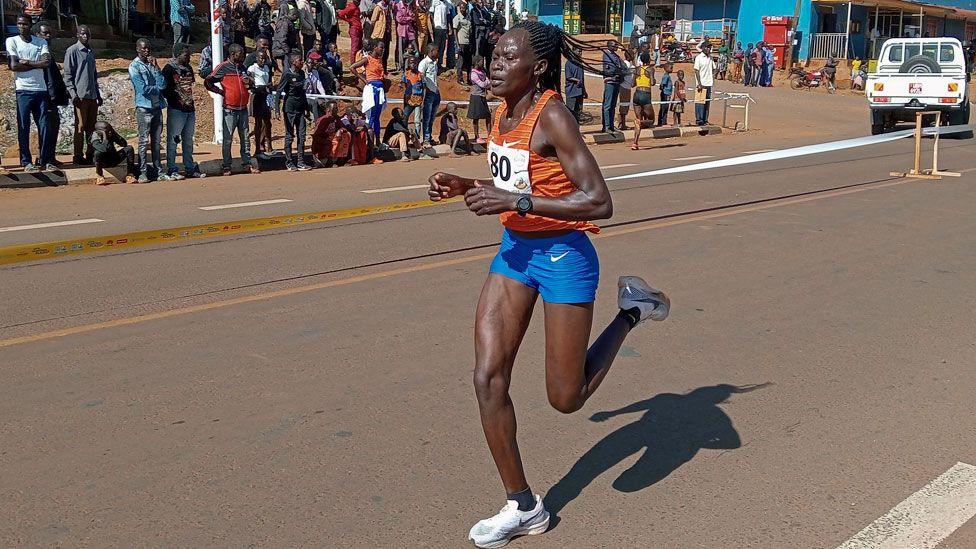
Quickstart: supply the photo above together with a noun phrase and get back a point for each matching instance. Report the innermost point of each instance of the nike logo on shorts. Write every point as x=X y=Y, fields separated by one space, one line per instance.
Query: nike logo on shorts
x=555 y=258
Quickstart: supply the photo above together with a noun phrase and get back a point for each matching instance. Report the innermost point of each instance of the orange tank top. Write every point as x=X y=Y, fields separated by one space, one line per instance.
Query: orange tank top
x=374 y=69
x=516 y=168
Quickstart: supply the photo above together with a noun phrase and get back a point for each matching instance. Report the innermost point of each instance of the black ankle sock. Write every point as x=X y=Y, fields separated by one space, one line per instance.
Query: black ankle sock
x=525 y=499
x=631 y=315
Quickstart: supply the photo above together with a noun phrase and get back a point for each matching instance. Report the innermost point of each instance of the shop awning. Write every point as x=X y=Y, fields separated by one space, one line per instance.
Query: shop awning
x=910 y=7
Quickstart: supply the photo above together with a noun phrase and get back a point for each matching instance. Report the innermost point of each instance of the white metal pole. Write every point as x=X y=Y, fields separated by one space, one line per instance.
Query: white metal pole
x=217 y=51
x=875 y=33
x=901 y=24
x=847 y=35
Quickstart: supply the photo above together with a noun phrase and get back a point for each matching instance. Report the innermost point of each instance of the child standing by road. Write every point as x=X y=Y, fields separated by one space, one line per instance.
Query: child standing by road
x=478 y=101
x=667 y=90
x=260 y=72
x=680 y=96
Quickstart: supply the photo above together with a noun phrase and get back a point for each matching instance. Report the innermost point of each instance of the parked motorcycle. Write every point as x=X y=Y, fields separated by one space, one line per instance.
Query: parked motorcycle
x=800 y=78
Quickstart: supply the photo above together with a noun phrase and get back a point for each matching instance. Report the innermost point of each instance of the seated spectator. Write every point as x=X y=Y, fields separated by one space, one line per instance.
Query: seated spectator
x=329 y=145
x=103 y=140
x=398 y=134
x=354 y=124
x=451 y=133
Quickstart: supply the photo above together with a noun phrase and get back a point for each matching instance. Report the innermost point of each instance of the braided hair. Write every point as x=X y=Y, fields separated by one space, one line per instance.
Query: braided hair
x=549 y=42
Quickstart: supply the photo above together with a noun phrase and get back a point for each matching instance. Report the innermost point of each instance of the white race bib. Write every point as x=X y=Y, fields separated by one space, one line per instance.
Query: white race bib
x=509 y=167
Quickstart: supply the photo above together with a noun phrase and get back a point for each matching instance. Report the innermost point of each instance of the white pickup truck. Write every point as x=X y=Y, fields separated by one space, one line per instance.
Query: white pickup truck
x=919 y=74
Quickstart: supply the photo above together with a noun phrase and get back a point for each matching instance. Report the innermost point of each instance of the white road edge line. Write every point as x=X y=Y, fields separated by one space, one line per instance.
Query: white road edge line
x=244 y=204
x=391 y=189
x=703 y=157
x=926 y=517
x=612 y=166
x=52 y=224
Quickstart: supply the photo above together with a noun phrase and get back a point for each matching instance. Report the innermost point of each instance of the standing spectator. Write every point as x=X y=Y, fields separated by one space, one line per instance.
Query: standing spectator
x=234 y=85
x=413 y=93
x=722 y=67
x=737 y=58
x=262 y=20
x=757 y=61
x=626 y=84
x=374 y=95
x=425 y=28
x=285 y=38
x=481 y=23
x=148 y=84
x=462 y=28
x=261 y=44
x=747 y=65
x=704 y=80
x=432 y=96
x=306 y=25
x=181 y=115
x=57 y=97
x=351 y=15
x=240 y=16
x=325 y=20
x=441 y=27
x=380 y=18
x=613 y=73
x=450 y=60
x=29 y=56
x=667 y=89
x=81 y=80
x=260 y=72
x=478 y=102
x=179 y=17
x=769 y=58
x=406 y=23
x=366 y=9
x=291 y=91
x=103 y=141
x=575 y=87
x=679 y=98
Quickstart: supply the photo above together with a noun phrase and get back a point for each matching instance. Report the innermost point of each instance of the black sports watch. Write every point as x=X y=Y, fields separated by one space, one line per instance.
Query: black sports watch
x=523 y=205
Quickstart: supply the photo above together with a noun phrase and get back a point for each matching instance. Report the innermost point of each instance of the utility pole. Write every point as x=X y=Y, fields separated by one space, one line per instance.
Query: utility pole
x=791 y=35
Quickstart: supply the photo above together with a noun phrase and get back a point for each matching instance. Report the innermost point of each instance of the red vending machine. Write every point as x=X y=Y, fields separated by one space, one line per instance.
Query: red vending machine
x=775 y=34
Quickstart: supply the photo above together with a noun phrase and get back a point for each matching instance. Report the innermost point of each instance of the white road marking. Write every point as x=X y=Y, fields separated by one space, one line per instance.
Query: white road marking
x=703 y=157
x=391 y=189
x=244 y=204
x=926 y=517
x=52 y=224
x=612 y=166
x=759 y=151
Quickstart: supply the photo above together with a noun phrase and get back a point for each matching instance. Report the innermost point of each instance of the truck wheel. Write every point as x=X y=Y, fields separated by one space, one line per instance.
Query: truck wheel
x=877 y=129
x=920 y=65
x=960 y=118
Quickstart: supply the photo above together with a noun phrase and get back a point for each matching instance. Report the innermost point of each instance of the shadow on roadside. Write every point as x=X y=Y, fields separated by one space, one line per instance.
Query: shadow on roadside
x=671 y=431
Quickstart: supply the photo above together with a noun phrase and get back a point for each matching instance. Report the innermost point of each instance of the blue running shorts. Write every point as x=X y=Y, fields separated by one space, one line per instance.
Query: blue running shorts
x=563 y=269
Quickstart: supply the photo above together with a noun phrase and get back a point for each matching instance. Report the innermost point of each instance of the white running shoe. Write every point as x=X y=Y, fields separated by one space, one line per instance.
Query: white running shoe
x=634 y=292
x=510 y=523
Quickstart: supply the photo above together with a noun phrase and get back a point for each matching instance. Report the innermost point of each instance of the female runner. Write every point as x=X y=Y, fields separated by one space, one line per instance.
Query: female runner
x=547 y=188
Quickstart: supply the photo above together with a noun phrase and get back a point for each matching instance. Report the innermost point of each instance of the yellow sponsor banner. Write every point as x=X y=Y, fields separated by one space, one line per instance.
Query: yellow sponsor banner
x=65 y=248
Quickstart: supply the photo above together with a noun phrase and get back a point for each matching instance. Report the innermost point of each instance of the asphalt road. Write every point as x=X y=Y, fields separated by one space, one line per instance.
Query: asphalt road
x=312 y=386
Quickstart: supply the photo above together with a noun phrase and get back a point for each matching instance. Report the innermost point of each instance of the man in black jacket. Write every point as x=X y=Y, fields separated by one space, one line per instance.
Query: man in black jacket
x=59 y=98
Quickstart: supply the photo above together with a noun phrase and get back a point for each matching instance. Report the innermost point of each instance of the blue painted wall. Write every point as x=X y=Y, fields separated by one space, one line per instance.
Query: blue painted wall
x=551 y=11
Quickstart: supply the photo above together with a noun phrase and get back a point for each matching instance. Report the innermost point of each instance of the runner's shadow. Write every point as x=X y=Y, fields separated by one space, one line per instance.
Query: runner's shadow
x=671 y=431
